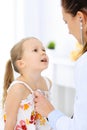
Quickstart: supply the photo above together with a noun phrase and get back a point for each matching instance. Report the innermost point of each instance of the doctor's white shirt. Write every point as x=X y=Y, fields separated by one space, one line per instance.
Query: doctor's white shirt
x=59 y=121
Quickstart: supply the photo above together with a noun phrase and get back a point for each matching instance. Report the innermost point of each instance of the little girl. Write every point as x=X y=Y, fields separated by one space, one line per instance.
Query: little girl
x=29 y=59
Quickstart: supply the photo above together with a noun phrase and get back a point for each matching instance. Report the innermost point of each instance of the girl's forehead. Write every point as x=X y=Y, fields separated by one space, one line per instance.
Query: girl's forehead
x=32 y=43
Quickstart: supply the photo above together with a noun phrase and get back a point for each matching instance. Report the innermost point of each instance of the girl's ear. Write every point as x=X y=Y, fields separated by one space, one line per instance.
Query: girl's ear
x=20 y=63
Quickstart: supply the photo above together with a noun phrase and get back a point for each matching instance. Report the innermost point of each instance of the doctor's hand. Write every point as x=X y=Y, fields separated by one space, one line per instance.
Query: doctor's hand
x=42 y=105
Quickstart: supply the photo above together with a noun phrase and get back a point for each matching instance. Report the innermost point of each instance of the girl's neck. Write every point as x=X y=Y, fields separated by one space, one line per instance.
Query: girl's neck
x=33 y=81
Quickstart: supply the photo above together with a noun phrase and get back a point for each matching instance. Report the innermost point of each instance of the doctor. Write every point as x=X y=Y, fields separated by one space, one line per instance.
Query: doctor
x=75 y=16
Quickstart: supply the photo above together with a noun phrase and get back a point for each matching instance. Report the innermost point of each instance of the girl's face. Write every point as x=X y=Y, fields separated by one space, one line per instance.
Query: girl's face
x=73 y=24
x=34 y=55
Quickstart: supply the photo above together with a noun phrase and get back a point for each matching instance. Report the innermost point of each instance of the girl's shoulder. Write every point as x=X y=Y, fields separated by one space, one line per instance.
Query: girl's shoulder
x=19 y=85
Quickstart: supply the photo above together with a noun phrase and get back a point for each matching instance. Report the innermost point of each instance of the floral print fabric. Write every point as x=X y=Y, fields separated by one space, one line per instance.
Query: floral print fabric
x=27 y=118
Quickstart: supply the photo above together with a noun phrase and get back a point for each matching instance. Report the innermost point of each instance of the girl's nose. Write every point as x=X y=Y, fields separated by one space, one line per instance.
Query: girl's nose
x=43 y=52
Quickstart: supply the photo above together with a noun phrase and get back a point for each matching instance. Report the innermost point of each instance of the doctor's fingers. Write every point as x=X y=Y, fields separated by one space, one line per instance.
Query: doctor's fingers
x=38 y=96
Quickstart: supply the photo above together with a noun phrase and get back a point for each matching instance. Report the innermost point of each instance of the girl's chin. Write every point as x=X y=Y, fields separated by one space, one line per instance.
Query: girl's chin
x=45 y=67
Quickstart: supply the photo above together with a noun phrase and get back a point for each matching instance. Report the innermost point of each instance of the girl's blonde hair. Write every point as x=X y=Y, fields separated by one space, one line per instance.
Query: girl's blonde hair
x=16 y=54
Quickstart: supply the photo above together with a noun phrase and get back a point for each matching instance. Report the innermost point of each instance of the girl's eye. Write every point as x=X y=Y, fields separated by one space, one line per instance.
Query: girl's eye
x=35 y=50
